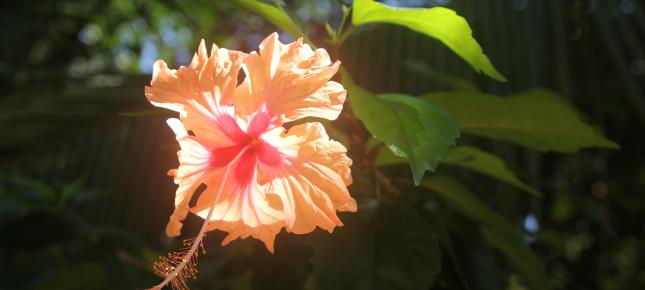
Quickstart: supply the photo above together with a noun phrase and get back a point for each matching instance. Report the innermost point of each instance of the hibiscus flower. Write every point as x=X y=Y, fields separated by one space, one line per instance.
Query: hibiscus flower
x=260 y=177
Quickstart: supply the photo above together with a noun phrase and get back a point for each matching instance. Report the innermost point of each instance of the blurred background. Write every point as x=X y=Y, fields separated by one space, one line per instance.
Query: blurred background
x=84 y=195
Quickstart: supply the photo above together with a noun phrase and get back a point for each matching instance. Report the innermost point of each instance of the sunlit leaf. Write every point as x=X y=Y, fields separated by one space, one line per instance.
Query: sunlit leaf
x=393 y=248
x=485 y=163
x=409 y=126
x=538 y=119
x=500 y=234
x=274 y=14
x=440 y=23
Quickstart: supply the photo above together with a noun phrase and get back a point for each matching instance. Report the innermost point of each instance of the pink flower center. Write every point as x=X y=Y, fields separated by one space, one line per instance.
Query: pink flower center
x=256 y=149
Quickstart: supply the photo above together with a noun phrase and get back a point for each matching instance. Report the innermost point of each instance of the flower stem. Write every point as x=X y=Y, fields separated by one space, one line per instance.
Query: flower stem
x=202 y=231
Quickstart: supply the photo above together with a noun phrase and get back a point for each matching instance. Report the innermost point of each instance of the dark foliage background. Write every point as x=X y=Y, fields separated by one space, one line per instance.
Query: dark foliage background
x=84 y=195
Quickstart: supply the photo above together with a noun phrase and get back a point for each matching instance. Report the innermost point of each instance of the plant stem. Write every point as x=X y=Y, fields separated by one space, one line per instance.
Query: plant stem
x=387 y=183
x=345 y=35
x=343 y=20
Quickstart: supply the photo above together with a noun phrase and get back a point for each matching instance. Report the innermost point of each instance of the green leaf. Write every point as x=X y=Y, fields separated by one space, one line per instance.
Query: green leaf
x=440 y=23
x=500 y=234
x=485 y=163
x=274 y=14
x=538 y=119
x=392 y=248
x=409 y=126
x=384 y=157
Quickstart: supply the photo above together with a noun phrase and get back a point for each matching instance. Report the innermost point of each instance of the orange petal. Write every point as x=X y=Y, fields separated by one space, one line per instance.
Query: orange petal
x=192 y=171
x=314 y=185
x=242 y=212
x=289 y=81
x=302 y=194
x=200 y=90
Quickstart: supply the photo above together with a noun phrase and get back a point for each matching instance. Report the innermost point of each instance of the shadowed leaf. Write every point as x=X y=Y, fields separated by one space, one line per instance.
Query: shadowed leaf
x=468 y=157
x=487 y=164
x=409 y=126
x=498 y=231
x=538 y=119
x=392 y=248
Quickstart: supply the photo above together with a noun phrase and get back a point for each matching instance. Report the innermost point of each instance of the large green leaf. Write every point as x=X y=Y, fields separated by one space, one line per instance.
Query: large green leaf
x=274 y=14
x=440 y=23
x=392 y=248
x=409 y=126
x=498 y=231
x=485 y=163
x=538 y=119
